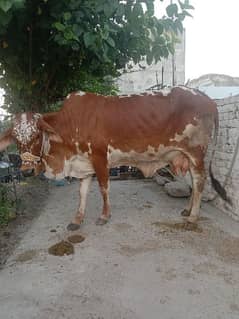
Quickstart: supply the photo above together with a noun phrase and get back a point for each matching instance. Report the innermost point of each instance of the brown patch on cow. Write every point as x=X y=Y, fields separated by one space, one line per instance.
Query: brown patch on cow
x=183 y=226
x=62 y=248
x=26 y=256
x=74 y=239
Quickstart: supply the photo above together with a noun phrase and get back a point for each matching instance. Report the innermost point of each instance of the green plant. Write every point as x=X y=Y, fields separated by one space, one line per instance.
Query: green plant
x=6 y=205
x=47 y=47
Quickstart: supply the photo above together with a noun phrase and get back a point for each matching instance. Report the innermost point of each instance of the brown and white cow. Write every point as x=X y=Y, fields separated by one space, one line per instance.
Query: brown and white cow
x=92 y=133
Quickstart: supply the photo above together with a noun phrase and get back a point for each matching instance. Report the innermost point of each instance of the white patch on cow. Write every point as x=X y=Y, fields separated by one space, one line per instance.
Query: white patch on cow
x=77 y=148
x=81 y=93
x=84 y=189
x=68 y=96
x=152 y=93
x=188 y=132
x=46 y=146
x=78 y=166
x=49 y=172
x=148 y=162
x=166 y=91
x=24 y=129
x=185 y=88
x=89 y=147
x=124 y=96
x=197 y=135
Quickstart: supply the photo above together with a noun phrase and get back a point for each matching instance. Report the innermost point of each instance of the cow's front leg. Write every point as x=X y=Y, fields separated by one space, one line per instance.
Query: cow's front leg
x=78 y=219
x=105 y=216
x=102 y=173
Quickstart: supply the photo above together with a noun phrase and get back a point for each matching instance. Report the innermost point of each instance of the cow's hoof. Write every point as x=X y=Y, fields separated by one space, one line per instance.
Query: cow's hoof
x=185 y=213
x=101 y=221
x=73 y=226
x=192 y=219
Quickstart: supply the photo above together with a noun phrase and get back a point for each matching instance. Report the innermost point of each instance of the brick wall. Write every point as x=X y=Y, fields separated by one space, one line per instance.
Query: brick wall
x=228 y=135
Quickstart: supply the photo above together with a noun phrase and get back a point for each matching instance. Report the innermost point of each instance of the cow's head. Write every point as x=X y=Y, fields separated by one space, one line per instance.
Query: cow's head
x=32 y=135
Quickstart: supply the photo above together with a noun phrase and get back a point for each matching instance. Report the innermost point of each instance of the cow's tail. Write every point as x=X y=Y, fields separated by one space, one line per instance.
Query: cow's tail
x=215 y=183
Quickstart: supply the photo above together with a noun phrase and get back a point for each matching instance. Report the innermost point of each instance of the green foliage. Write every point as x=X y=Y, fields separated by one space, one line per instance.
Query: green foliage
x=6 y=205
x=48 y=46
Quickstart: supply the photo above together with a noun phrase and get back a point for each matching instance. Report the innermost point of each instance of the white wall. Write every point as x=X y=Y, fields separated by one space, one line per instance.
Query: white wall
x=139 y=80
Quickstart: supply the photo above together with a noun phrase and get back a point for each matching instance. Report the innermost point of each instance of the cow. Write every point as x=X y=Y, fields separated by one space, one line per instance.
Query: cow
x=92 y=133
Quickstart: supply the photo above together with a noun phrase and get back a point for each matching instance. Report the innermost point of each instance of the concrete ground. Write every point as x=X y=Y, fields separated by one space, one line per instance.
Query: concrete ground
x=135 y=267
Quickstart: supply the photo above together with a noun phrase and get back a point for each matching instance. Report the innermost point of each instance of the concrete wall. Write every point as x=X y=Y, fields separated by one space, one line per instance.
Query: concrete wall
x=139 y=80
x=228 y=135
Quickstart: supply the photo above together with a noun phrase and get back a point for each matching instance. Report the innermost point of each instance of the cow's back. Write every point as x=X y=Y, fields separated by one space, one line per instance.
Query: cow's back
x=135 y=121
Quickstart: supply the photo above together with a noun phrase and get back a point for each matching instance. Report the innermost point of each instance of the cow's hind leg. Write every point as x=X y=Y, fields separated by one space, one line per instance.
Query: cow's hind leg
x=102 y=174
x=187 y=210
x=198 y=181
x=84 y=188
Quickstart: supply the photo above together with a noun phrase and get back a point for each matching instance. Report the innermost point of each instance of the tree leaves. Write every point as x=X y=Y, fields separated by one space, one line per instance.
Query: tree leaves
x=111 y=42
x=6 y=5
x=172 y=10
x=89 y=39
x=59 y=41
x=59 y=26
x=67 y=16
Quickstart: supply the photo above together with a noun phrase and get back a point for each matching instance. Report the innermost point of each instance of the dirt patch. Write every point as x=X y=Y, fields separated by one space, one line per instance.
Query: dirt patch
x=122 y=227
x=74 y=239
x=170 y=274
x=147 y=246
x=206 y=268
x=148 y=204
x=228 y=248
x=32 y=194
x=62 y=248
x=26 y=256
x=182 y=226
x=210 y=240
x=234 y=307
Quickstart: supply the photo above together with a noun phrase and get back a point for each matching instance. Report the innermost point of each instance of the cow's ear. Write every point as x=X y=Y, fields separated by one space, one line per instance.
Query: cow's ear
x=52 y=134
x=6 y=139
